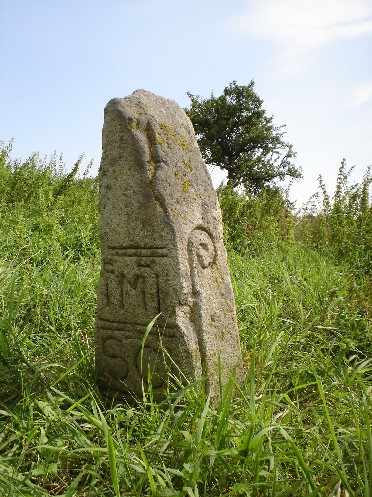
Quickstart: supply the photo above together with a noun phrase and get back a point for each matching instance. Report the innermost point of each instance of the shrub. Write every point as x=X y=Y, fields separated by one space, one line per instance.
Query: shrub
x=255 y=222
x=342 y=225
x=45 y=211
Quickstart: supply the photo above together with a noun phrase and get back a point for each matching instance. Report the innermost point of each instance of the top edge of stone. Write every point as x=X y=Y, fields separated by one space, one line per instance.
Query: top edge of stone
x=140 y=95
x=146 y=106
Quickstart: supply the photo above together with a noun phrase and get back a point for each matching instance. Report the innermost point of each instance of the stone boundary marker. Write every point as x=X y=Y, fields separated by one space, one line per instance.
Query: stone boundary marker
x=162 y=254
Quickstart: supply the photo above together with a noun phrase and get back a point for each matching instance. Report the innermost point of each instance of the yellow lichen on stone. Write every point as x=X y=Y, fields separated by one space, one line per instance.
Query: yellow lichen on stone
x=153 y=166
x=167 y=128
x=187 y=166
x=186 y=186
x=133 y=123
x=159 y=138
x=176 y=213
x=181 y=140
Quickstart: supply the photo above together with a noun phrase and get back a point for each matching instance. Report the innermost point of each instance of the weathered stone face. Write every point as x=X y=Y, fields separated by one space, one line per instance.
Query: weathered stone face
x=162 y=253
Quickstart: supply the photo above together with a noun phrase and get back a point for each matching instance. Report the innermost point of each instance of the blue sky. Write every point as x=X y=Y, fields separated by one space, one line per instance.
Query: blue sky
x=61 y=61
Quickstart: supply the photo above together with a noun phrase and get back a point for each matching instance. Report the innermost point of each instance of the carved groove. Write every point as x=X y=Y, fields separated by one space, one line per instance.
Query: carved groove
x=135 y=329
x=138 y=251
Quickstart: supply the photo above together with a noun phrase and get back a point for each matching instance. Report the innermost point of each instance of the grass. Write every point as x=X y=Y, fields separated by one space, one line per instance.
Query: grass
x=300 y=425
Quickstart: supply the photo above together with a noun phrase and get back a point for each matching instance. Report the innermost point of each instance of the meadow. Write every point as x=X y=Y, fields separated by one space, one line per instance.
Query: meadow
x=299 y=426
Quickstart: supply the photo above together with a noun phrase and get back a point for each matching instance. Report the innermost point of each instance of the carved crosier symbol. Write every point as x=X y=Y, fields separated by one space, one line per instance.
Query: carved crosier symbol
x=202 y=253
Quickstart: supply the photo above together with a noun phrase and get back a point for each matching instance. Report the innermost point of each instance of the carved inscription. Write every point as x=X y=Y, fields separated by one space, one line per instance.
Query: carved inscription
x=128 y=361
x=129 y=300
x=131 y=292
x=116 y=365
x=129 y=284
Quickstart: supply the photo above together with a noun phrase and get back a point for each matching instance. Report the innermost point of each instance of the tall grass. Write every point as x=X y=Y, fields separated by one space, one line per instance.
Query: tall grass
x=298 y=426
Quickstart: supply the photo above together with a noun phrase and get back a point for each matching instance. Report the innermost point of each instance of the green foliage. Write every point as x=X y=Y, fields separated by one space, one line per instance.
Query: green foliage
x=48 y=236
x=342 y=225
x=234 y=133
x=299 y=425
x=46 y=213
x=253 y=223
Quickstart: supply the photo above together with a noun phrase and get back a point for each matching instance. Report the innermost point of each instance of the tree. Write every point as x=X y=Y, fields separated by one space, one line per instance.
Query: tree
x=234 y=133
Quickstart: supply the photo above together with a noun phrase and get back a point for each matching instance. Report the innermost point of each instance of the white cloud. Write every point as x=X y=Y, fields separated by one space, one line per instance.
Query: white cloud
x=300 y=27
x=361 y=95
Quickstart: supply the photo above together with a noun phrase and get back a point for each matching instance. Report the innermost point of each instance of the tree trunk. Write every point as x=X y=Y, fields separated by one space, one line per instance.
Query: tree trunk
x=230 y=178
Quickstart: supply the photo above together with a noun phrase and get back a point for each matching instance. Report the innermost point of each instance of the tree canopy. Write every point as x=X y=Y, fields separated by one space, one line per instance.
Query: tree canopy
x=235 y=134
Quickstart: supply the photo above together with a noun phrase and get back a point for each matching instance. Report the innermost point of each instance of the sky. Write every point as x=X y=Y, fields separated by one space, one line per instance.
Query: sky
x=61 y=61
